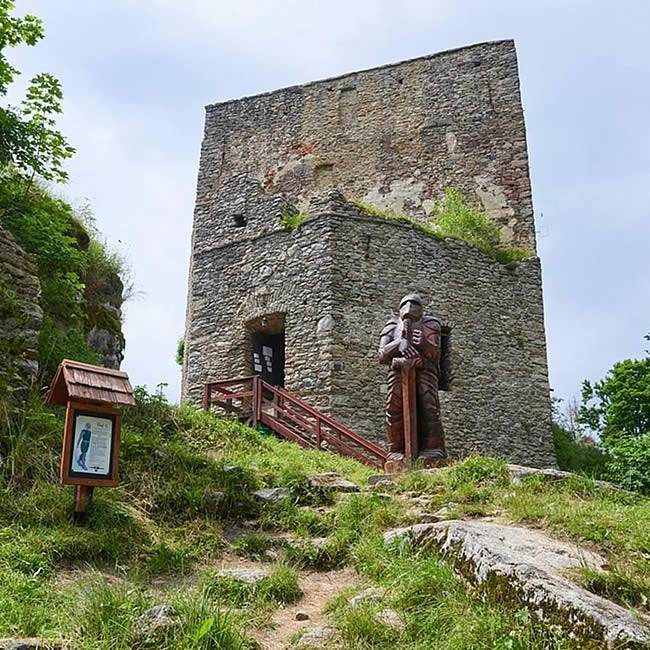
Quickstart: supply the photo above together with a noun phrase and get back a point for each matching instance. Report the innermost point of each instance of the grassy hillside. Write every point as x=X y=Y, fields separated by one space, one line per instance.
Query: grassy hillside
x=162 y=535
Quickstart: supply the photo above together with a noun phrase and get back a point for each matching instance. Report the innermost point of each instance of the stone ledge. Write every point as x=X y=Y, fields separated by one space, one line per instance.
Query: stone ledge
x=528 y=568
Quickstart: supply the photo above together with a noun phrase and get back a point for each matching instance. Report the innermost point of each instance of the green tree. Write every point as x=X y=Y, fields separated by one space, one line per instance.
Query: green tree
x=618 y=409
x=29 y=139
x=618 y=406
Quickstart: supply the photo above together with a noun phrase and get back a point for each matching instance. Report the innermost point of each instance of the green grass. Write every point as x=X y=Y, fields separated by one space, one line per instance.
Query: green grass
x=435 y=606
x=161 y=527
x=574 y=509
x=279 y=588
x=576 y=456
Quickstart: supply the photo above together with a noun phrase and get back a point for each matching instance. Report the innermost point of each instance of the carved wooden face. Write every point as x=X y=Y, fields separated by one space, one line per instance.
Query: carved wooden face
x=411 y=308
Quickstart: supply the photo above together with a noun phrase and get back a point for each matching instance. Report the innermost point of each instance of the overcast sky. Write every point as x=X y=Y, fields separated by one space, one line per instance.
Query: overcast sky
x=136 y=75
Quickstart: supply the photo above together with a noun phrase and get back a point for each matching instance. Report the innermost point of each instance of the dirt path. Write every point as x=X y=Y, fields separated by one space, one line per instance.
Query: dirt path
x=318 y=587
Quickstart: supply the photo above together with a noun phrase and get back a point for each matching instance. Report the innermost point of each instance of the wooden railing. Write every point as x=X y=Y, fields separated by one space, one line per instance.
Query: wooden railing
x=255 y=401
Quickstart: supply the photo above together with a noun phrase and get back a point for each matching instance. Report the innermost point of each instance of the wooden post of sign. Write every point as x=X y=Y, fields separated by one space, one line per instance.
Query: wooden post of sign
x=83 y=497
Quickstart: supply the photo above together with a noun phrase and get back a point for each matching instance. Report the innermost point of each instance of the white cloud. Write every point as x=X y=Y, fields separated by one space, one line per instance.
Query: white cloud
x=136 y=76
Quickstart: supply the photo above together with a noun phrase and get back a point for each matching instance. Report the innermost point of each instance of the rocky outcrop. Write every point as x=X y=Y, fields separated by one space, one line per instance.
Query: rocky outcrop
x=520 y=472
x=528 y=568
x=21 y=316
x=105 y=336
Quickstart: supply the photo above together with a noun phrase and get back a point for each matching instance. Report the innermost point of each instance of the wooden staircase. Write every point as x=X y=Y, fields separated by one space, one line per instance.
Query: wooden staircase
x=255 y=401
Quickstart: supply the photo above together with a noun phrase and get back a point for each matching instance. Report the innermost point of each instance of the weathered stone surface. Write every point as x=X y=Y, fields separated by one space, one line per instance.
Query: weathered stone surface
x=332 y=481
x=109 y=345
x=527 y=566
x=21 y=315
x=316 y=636
x=264 y=155
x=215 y=498
x=370 y=595
x=156 y=618
x=390 y=618
x=381 y=479
x=272 y=495
x=248 y=576
x=520 y=472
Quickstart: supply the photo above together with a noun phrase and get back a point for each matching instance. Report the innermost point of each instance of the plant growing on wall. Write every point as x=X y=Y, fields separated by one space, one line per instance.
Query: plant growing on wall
x=452 y=218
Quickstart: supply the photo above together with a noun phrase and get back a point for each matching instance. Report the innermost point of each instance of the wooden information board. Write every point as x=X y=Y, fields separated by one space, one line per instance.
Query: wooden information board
x=91 y=437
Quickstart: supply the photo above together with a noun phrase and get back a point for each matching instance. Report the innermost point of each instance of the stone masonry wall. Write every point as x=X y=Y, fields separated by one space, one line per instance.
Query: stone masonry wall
x=277 y=272
x=337 y=280
x=394 y=137
x=499 y=397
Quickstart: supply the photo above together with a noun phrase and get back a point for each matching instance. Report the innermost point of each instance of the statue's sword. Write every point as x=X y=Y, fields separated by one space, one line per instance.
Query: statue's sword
x=409 y=403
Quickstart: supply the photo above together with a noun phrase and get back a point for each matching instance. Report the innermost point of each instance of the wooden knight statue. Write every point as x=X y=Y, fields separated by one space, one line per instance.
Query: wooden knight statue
x=410 y=346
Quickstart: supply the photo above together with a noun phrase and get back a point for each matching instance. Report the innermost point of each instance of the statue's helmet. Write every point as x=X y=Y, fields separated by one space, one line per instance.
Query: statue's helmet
x=411 y=297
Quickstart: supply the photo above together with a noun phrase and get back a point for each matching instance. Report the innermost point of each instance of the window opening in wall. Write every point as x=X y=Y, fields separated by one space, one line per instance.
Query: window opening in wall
x=444 y=383
x=239 y=220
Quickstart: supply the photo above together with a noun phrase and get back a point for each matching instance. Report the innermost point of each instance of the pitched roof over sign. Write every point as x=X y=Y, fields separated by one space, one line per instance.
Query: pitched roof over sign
x=82 y=382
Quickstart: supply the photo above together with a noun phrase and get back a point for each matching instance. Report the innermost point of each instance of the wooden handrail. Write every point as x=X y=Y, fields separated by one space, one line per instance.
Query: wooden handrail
x=296 y=426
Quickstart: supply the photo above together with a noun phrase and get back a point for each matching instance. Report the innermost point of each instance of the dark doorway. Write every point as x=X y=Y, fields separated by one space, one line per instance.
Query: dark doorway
x=268 y=357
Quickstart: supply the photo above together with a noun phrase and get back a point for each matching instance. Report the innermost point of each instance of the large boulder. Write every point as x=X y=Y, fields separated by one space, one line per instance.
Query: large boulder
x=528 y=568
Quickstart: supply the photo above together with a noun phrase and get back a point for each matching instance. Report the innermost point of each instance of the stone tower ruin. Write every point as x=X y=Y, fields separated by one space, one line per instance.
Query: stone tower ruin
x=306 y=305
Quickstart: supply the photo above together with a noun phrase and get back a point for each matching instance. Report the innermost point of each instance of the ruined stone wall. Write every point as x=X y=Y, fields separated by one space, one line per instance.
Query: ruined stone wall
x=498 y=401
x=337 y=280
x=278 y=273
x=394 y=137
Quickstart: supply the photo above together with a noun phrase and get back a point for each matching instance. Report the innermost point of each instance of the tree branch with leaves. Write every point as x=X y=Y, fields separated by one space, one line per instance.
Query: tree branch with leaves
x=29 y=139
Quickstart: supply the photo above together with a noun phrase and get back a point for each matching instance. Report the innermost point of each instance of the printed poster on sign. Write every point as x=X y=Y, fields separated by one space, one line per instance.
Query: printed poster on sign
x=92 y=445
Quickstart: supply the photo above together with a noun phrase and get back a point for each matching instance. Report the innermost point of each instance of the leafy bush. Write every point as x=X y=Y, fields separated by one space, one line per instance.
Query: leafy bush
x=618 y=409
x=77 y=272
x=180 y=351
x=576 y=455
x=630 y=464
x=618 y=406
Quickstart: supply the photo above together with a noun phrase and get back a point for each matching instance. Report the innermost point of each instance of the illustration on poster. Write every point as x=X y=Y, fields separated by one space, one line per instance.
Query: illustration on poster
x=92 y=444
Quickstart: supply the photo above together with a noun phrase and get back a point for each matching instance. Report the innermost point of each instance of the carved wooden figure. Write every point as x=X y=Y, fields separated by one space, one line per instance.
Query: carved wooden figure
x=410 y=346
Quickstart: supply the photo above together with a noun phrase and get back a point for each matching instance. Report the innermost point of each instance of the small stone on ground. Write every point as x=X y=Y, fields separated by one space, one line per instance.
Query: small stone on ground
x=272 y=495
x=390 y=618
x=316 y=636
x=247 y=576
x=332 y=481
x=156 y=618
x=370 y=595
